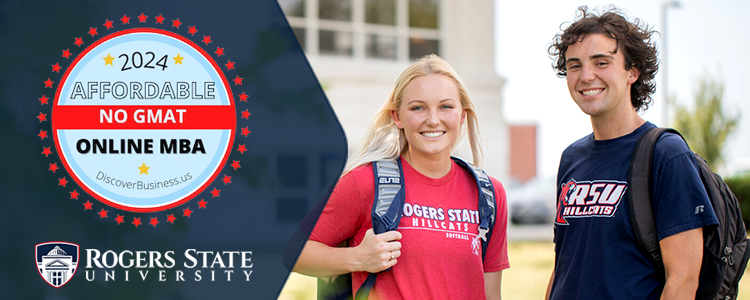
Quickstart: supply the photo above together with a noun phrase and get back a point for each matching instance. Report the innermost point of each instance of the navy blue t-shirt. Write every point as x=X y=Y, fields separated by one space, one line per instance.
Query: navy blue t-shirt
x=597 y=255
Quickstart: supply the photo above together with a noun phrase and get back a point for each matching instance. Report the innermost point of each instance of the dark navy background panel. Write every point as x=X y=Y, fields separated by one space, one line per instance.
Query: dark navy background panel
x=294 y=144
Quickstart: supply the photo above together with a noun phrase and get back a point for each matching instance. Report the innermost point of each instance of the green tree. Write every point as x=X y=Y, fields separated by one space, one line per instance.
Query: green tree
x=707 y=126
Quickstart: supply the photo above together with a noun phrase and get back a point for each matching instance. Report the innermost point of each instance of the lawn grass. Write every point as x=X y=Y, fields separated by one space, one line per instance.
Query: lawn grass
x=299 y=287
x=531 y=265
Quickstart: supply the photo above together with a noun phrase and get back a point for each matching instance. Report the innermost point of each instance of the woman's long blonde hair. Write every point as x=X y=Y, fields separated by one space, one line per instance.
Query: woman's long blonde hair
x=384 y=141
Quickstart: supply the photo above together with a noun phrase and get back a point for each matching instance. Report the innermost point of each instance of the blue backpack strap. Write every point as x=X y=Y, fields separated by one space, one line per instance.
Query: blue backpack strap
x=386 y=208
x=487 y=208
x=389 y=201
x=364 y=290
x=389 y=195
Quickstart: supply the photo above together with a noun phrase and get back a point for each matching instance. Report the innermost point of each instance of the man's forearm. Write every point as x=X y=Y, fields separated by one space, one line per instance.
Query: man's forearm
x=682 y=254
x=680 y=286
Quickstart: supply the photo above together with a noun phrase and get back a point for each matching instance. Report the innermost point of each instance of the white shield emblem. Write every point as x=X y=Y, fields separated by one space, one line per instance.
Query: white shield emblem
x=57 y=262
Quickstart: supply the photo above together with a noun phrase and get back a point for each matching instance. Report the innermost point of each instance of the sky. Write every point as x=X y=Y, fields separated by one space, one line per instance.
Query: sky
x=705 y=38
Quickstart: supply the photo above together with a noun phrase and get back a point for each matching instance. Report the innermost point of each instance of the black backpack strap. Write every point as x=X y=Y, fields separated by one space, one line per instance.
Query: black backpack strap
x=639 y=196
x=386 y=208
x=487 y=208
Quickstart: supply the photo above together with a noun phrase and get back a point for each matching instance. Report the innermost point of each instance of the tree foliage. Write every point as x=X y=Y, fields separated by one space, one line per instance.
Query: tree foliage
x=740 y=186
x=707 y=126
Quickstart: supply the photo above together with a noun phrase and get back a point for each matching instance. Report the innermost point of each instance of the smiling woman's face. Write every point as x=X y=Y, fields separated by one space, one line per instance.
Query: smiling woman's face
x=431 y=115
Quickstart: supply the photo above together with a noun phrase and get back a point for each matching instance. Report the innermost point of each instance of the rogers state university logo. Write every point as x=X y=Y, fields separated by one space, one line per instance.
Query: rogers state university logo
x=57 y=262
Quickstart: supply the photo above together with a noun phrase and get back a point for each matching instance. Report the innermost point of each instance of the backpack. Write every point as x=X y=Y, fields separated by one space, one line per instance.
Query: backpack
x=386 y=214
x=725 y=253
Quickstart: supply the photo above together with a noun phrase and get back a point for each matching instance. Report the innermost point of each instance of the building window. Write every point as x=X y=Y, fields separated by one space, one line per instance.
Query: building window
x=335 y=43
x=421 y=47
x=423 y=13
x=398 y=30
x=299 y=33
x=380 y=12
x=293 y=8
x=336 y=10
x=381 y=46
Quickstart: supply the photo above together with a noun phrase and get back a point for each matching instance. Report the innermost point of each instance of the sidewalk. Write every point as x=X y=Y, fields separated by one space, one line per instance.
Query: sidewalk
x=532 y=233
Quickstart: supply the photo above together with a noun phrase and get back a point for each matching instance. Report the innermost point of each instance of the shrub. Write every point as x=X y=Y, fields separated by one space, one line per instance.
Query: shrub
x=740 y=186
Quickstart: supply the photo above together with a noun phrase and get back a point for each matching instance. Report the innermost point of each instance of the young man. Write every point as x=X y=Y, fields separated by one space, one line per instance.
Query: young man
x=609 y=64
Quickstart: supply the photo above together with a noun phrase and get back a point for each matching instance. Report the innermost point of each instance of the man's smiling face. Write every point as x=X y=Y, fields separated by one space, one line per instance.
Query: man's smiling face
x=597 y=79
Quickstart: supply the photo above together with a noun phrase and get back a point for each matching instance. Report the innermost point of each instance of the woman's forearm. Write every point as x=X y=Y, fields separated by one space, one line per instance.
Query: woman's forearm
x=320 y=260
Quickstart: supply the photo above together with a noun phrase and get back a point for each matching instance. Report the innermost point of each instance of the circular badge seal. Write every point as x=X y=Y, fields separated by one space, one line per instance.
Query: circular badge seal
x=143 y=119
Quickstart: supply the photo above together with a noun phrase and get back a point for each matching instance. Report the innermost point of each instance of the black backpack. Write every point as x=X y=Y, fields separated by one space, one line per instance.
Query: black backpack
x=725 y=254
x=386 y=214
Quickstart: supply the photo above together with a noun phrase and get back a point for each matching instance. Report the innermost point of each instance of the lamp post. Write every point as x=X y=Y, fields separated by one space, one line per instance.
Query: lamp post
x=664 y=54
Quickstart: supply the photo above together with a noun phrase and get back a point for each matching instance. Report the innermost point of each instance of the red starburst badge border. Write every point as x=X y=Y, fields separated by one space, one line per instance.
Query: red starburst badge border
x=70 y=54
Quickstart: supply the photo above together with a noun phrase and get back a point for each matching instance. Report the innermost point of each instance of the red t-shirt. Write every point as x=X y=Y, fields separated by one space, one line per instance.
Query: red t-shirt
x=439 y=224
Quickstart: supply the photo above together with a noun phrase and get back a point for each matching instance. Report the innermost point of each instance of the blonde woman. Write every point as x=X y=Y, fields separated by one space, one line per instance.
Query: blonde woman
x=433 y=253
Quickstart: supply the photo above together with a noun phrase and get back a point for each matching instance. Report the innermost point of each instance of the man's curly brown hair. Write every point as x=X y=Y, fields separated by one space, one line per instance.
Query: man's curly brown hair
x=633 y=38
